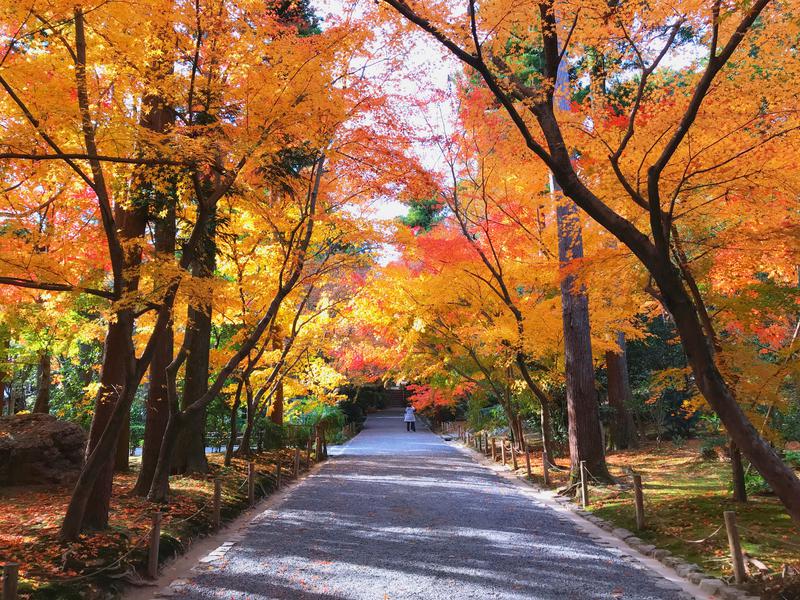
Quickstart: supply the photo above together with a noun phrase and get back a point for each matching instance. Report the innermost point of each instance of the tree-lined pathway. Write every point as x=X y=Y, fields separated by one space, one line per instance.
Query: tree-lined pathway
x=404 y=515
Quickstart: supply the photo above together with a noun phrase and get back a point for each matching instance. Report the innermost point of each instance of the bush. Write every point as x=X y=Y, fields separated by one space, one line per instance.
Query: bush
x=755 y=484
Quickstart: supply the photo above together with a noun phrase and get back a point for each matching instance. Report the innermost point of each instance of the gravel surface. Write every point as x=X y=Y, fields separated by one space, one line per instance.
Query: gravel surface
x=399 y=515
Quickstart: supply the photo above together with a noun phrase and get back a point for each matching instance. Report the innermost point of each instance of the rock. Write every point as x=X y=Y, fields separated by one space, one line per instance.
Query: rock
x=731 y=593
x=712 y=586
x=634 y=541
x=622 y=533
x=793 y=446
x=646 y=549
x=696 y=577
x=687 y=569
x=39 y=448
x=660 y=554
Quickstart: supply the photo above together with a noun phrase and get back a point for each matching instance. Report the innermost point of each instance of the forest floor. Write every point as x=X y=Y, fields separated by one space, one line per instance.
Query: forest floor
x=685 y=497
x=99 y=562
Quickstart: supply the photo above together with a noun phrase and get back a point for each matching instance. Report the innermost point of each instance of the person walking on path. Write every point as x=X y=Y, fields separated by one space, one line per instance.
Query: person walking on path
x=410 y=419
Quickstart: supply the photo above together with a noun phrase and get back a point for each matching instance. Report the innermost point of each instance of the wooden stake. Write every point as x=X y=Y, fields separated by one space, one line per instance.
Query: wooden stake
x=278 y=473
x=514 y=457
x=308 y=453
x=584 y=485
x=296 y=462
x=735 y=546
x=10 y=581
x=251 y=483
x=528 y=461
x=152 y=552
x=503 y=451
x=545 y=468
x=216 y=516
x=486 y=444
x=638 y=498
x=494 y=450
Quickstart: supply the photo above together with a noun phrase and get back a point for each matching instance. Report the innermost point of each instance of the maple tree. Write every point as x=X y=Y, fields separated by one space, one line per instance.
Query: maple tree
x=192 y=184
x=689 y=159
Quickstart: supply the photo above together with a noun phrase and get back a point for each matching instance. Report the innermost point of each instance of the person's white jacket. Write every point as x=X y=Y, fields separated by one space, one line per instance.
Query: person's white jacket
x=409 y=416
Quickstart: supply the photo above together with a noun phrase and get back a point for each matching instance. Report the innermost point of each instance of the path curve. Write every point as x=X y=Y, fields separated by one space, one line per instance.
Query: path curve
x=396 y=515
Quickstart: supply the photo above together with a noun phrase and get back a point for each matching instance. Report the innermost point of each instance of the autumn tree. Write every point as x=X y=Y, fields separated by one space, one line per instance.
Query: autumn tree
x=652 y=162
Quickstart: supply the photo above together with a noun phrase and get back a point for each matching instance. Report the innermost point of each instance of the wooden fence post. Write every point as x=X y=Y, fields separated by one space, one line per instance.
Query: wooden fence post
x=584 y=485
x=216 y=517
x=10 y=580
x=486 y=444
x=528 y=461
x=545 y=468
x=309 y=443
x=503 y=451
x=251 y=483
x=278 y=473
x=638 y=498
x=152 y=551
x=296 y=462
x=494 y=451
x=735 y=546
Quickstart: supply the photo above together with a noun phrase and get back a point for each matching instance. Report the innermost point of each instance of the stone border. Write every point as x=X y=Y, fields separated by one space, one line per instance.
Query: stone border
x=685 y=570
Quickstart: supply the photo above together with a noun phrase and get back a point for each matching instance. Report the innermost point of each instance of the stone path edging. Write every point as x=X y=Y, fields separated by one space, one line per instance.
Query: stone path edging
x=689 y=576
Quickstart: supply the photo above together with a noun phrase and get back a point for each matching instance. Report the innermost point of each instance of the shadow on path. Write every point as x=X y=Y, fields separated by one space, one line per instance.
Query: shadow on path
x=403 y=515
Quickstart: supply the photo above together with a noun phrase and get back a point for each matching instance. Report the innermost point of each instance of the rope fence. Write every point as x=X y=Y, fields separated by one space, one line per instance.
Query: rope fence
x=151 y=539
x=738 y=558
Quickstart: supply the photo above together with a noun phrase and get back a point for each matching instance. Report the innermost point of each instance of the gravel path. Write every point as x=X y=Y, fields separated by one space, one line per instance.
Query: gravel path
x=400 y=515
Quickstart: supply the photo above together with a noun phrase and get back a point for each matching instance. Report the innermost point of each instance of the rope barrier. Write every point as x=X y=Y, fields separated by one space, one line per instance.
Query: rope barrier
x=101 y=569
x=770 y=536
x=138 y=544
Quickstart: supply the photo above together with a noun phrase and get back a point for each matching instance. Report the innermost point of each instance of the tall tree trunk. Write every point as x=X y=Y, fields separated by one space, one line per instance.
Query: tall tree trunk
x=190 y=451
x=276 y=408
x=244 y=449
x=43 y=381
x=547 y=430
x=116 y=352
x=585 y=438
x=234 y=418
x=5 y=373
x=623 y=430
x=737 y=470
x=157 y=404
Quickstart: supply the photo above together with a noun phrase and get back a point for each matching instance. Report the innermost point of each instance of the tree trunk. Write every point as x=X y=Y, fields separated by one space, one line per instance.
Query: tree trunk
x=762 y=456
x=244 y=449
x=547 y=430
x=89 y=504
x=585 y=438
x=190 y=452
x=737 y=472
x=234 y=425
x=5 y=374
x=276 y=409
x=159 y=489
x=116 y=353
x=43 y=377
x=157 y=404
x=623 y=430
